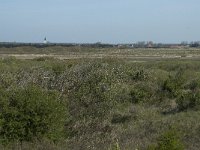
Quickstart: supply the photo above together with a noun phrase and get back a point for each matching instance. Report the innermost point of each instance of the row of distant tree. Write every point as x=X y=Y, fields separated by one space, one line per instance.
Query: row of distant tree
x=150 y=44
x=141 y=44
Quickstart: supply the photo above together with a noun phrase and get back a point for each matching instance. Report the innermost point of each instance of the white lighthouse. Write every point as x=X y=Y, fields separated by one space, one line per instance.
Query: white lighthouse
x=45 y=41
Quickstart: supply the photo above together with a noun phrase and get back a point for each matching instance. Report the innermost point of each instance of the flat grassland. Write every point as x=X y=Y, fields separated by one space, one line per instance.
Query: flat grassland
x=77 y=52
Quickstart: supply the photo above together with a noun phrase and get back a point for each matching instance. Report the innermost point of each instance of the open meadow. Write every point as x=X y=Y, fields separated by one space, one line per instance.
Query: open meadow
x=79 y=98
x=77 y=52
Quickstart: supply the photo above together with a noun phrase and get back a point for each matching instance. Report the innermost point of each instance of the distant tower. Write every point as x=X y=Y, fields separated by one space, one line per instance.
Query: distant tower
x=45 y=40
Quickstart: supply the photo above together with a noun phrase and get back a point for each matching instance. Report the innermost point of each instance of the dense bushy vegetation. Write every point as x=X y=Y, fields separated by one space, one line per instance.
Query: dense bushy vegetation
x=99 y=104
x=30 y=113
x=169 y=140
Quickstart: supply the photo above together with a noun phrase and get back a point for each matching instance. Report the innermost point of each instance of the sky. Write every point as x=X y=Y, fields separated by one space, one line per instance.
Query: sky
x=106 y=21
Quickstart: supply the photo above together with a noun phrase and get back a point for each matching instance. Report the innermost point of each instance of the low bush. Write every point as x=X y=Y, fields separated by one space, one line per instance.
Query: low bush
x=173 y=84
x=141 y=93
x=58 y=68
x=140 y=75
x=170 y=140
x=192 y=85
x=30 y=114
x=188 y=100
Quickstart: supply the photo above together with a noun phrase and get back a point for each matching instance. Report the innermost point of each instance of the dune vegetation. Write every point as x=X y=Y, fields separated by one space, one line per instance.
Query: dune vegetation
x=110 y=104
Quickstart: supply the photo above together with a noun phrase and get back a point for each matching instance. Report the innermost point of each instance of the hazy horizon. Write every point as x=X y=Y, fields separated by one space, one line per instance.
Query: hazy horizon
x=111 y=21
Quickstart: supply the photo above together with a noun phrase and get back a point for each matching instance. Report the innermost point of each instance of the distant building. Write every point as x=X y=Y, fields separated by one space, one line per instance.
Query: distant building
x=150 y=44
x=45 y=41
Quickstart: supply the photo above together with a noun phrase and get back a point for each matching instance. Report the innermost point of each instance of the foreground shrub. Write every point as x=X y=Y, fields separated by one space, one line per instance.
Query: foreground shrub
x=90 y=103
x=174 y=84
x=170 y=140
x=29 y=114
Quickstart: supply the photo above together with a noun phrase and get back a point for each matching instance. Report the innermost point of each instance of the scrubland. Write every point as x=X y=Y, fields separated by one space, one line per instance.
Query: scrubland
x=106 y=103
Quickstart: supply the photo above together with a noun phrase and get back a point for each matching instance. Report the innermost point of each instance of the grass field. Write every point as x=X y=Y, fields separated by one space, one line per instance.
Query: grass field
x=83 y=52
x=113 y=99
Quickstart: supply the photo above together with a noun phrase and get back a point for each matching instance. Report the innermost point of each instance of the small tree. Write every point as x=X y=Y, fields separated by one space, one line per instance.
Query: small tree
x=31 y=113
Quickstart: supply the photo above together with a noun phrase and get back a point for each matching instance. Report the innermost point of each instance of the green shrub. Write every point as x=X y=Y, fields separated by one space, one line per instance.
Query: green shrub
x=188 y=100
x=140 y=75
x=169 y=86
x=140 y=93
x=31 y=113
x=58 y=68
x=192 y=85
x=90 y=103
x=174 y=84
x=170 y=140
x=6 y=80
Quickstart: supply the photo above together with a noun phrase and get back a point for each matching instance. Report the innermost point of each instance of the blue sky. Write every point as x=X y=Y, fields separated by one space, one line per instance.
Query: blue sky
x=108 y=21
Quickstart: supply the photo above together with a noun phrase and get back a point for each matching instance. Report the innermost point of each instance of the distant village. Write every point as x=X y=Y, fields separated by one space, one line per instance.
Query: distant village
x=141 y=44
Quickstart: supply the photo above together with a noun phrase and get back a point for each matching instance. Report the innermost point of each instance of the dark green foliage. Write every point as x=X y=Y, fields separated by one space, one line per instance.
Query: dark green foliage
x=140 y=75
x=58 y=68
x=138 y=96
x=188 y=100
x=170 y=140
x=120 y=118
x=193 y=85
x=169 y=86
x=141 y=93
x=173 y=84
x=31 y=113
